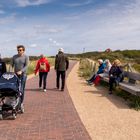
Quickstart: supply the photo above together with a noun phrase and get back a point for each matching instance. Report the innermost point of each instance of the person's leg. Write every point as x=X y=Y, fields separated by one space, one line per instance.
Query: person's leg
x=97 y=80
x=40 y=79
x=57 y=79
x=111 y=81
x=44 y=79
x=23 y=83
x=92 y=78
x=63 y=80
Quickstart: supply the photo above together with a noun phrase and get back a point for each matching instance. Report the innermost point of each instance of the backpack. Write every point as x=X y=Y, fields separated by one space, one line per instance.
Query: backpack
x=42 y=66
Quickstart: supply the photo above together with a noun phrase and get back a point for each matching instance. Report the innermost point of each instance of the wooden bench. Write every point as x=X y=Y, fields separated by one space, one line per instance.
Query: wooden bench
x=131 y=81
x=130 y=84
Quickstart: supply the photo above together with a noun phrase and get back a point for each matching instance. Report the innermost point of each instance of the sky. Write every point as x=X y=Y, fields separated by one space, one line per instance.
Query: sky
x=77 y=26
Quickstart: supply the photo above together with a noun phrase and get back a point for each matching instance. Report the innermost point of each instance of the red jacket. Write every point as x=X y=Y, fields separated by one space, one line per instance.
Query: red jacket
x=42 y=65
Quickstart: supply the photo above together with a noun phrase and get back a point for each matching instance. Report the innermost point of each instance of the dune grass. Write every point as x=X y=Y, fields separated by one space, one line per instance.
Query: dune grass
x=85 y=68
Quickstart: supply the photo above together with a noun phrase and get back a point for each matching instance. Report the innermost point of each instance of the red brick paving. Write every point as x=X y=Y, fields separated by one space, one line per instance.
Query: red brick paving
x=48 y=116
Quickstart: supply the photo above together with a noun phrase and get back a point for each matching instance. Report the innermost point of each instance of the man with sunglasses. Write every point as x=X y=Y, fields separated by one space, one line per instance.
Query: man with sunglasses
x=20 y=63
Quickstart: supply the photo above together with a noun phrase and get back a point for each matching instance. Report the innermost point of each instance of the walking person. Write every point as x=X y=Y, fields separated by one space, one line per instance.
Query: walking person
x=61 y=65
x=20 y=63
x=2 y=67
x=43 y=67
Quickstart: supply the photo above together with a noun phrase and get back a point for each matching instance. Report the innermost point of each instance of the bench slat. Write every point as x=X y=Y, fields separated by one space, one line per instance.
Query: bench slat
x=129 y=85
x=131 y=88
x=132 y=75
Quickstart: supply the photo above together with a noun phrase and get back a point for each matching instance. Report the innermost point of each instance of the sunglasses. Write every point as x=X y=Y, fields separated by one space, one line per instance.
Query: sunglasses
x=19 y=50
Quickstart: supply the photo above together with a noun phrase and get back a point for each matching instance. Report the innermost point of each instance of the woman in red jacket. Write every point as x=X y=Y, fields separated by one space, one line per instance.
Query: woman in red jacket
x=43 y=67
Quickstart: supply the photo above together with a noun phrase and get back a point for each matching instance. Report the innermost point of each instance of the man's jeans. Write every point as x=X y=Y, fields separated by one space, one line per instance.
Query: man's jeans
x=22 y=79
x=62 y=74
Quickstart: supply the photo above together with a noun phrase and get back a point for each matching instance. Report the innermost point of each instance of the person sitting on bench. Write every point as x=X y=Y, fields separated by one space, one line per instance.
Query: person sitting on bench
x=115 y=75
x=102 y=65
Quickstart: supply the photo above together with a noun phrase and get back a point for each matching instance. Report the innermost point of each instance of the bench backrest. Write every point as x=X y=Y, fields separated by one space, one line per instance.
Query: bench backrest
x=132 y=77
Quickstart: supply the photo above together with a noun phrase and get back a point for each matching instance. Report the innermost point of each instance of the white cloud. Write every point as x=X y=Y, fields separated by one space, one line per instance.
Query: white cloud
x=33 y=45
x=24 y=3
x=41 y=29
x=8 y=19
x=54 y=42
x=81 y=3
x=2 y=12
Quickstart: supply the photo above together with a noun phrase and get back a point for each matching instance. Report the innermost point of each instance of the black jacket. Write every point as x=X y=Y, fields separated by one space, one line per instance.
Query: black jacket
x=61 y=62
x=116 y=72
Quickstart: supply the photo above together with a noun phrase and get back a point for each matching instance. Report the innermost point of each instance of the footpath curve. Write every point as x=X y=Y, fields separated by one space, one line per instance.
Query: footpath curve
x=48 y=115
x=106 y=117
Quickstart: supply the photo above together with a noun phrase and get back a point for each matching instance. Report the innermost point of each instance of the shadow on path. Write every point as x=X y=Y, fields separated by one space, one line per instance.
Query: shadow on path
x=103 y=92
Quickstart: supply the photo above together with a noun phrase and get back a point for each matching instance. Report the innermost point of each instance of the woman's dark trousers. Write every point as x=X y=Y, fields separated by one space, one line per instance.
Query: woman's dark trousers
x=91 y=80
x=115 y=81
x=43 y=77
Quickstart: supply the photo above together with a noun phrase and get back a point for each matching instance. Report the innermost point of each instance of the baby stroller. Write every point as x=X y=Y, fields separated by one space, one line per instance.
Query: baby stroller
x=10 y=95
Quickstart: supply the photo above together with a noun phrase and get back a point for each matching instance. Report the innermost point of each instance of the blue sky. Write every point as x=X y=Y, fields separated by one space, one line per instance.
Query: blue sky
x=44 y=26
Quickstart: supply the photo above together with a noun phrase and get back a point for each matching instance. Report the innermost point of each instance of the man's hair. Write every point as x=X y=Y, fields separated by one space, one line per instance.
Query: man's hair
x=21 y=46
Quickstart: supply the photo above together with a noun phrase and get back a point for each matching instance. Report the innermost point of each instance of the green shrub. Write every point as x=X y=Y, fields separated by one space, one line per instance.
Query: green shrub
x=85 y=68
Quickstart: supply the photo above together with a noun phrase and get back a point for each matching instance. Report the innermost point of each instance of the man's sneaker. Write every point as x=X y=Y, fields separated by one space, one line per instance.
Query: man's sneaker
x=40 y=88
x=44 y=90
x=62 y=89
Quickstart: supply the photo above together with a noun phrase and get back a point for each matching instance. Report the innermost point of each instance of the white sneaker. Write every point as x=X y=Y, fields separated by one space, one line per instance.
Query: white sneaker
x=44 y=90
x=22 y=108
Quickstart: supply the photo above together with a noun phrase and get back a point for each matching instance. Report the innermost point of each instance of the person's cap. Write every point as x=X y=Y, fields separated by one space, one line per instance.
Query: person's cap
x=61 y=50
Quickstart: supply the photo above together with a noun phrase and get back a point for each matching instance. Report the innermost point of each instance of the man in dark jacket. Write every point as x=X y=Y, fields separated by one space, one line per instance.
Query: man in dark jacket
x=61 y=65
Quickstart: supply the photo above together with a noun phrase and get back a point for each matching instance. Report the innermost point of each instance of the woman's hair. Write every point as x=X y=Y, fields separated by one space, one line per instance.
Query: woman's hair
x=106 y=60
x=117 y=62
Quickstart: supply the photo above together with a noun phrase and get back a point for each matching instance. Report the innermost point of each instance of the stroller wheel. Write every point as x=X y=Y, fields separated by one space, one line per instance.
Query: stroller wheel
x=1 y=117
x=14 y=116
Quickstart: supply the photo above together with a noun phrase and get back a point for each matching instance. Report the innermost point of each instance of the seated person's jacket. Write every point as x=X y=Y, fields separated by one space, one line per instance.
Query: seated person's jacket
x=101 y=68
x=117 y=73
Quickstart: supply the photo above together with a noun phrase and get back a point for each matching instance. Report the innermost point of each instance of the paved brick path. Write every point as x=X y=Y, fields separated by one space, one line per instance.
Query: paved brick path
x=48 y=116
